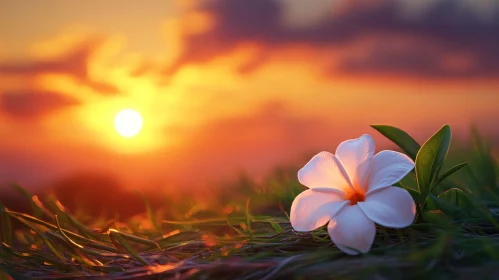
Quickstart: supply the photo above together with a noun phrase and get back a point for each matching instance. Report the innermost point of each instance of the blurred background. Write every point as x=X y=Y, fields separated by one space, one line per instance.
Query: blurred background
x=229 y=90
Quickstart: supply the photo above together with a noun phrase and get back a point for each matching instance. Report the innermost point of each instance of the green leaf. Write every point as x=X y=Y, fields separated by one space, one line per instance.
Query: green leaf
x=436 y=216
x=430 y=159
x=453 y=202
x=457 y=198
x=414 y=193
x=399 y=137
x=449 y=172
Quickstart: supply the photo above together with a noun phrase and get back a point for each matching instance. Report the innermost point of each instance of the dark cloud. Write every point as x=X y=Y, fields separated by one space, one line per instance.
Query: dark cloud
x=32 y=105
x=418 y=62
x=73 y=63
x=446 y=26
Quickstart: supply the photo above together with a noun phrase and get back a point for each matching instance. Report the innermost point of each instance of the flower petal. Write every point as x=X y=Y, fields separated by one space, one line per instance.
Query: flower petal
x=352 y=229
x=390 y=207
x=387 y=168
x=314 y=208
x=324 y=170
x=356 y=155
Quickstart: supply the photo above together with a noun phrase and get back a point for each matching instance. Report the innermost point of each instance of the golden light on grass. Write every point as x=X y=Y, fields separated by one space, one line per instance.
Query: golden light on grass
x=128 y=123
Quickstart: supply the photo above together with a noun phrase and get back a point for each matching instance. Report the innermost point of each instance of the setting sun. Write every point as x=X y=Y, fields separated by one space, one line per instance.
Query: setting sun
x=128 y=123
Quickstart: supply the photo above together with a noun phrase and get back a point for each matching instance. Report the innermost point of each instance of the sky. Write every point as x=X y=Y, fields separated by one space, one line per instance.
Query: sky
x=231 y=86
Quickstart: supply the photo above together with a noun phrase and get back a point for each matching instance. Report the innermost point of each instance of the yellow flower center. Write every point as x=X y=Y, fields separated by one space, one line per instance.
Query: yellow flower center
x=355 y=197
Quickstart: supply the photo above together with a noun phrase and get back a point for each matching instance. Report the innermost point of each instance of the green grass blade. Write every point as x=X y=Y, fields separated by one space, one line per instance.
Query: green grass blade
x=234 y=228
x=276 y=227
x=88 y=242
x=37 y=211
x=151 y=213
x=214 y=221
x=116 y=236
x=449 y=172
x=61 y=231
x=6 y=224
x=248 y=219
x=75 y=248
x=61 y=210
x=47 y=242
x=137 y=239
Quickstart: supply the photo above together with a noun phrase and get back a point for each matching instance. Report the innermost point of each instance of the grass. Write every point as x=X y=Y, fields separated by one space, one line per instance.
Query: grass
x=253 y=238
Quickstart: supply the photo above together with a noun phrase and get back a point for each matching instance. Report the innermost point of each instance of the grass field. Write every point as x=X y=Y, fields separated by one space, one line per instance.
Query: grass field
x=455 y=236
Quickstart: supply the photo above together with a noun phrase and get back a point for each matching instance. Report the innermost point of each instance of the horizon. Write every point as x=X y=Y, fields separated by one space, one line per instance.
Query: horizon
x=232 y=86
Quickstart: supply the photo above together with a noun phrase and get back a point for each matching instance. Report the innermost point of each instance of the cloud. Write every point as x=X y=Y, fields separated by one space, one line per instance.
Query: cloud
x=443 y=27
x=417 y=61
x=74 y=63
x=33 y=105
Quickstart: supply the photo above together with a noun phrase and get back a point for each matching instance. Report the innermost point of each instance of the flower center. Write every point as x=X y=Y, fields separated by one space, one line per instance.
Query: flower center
x=355 y=197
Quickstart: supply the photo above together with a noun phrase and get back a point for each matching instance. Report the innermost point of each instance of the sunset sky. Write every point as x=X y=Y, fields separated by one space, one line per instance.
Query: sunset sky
x=232 y=85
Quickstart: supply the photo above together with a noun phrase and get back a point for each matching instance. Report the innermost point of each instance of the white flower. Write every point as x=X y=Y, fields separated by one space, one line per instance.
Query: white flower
x=352 y=190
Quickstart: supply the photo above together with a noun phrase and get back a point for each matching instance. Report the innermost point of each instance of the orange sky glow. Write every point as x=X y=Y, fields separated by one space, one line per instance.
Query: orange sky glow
x=232 y=86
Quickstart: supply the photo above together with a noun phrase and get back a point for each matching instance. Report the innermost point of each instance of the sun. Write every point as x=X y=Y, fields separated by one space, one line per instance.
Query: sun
x=128 y=123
